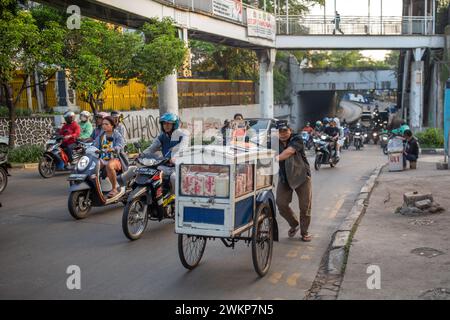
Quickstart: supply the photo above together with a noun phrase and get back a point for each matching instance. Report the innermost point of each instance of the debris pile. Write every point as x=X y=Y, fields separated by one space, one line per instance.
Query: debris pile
x=416 y=204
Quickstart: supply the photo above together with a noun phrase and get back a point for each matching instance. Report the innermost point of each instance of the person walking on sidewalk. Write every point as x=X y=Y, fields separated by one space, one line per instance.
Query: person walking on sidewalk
x=294 y=175
x=411 y=152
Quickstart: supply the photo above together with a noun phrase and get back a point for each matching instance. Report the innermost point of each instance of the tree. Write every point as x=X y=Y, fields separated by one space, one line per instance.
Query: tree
x=27 y=46
x=99 y=53
x=296 y=7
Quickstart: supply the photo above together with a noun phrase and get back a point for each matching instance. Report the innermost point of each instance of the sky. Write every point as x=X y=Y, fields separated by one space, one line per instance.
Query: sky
x=361 y=8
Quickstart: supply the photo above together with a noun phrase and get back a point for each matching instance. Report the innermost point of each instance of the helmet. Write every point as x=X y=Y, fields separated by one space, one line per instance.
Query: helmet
x=326 y=120
x=69 y=116
x=308 y=124
x=170 y=117
x=115 y=114
x=337 y=121
x=358 y=125
x=101 y=115
x=318 y=123
x=87 y=114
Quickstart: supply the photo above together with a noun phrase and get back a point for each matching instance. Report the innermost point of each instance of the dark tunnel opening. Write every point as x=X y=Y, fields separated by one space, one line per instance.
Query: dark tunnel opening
x=315 y=105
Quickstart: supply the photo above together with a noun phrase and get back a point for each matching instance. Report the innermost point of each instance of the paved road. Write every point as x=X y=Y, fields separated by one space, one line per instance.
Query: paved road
x=39 y=240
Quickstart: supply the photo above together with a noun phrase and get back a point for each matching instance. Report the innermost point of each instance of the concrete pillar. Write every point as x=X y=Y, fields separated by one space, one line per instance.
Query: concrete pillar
x=416 y=94
x=168 y=94
x=266 y=63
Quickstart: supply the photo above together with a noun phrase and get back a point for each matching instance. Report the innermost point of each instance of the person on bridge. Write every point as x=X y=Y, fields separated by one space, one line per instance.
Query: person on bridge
x=171 y=140
x=337 y=23
x=294 y=175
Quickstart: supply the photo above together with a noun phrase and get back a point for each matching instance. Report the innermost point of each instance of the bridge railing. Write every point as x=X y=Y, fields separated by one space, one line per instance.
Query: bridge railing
x=216 y=8
x=354 y=25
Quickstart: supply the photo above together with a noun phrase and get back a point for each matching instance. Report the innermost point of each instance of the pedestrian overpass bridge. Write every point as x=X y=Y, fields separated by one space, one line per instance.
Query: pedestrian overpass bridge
x=246 y=27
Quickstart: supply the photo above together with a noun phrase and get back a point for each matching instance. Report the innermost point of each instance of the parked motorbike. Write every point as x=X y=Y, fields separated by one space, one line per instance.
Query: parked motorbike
x=307 y=140
x=358 y=140
x=323 y=154
x=56 y=159
x=150 y=199
x=4 y=166
x=89 y=184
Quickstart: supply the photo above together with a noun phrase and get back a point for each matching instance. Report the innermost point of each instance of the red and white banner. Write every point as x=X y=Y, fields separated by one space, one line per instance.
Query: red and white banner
x=261 y=24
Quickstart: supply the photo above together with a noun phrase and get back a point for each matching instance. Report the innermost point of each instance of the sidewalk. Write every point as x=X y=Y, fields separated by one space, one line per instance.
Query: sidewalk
x=387 y=239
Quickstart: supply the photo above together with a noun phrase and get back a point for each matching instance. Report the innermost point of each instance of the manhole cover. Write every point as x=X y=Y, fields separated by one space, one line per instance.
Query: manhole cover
x=422 y=222
x=427 y=252
x=436 y=294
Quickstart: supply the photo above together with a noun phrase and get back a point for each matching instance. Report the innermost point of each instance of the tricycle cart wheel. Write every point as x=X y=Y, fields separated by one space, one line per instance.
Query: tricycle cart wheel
x=190 y=250
x=262 y=239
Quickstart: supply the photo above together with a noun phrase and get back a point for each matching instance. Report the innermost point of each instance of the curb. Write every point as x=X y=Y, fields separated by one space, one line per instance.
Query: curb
x=326 y=286
x=438 y=151
x=24 y=165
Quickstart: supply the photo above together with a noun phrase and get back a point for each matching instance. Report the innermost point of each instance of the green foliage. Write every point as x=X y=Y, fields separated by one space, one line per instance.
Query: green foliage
x=144 y=145
x=4 y=112
x=230 y=63
x=296 y=7
x=26 y=154
x=431 y=138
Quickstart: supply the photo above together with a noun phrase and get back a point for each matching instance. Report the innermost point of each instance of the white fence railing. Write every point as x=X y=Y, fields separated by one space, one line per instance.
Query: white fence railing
x=354 y=25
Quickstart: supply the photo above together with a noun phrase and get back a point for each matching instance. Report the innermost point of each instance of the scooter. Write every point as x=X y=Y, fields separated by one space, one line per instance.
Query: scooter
x=384 y=139
x=307 y=141
x=375 y=137
x=323 y=155
x=4 y=166
x=56 y=159
x=89 y=184
x=150 y=199
x=358 y=140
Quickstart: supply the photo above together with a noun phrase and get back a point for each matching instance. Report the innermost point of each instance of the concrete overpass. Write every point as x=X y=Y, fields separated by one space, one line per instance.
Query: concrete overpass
x=344 y=80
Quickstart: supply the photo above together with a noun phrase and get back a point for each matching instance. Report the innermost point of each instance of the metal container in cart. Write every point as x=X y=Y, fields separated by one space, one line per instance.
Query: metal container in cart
x=226 y=193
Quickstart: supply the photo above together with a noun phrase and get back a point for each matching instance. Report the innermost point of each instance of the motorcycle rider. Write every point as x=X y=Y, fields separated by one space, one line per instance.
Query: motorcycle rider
x=333 y=132
x=308 y=128
x=70 y=132
x=110 y=140
x=318 y=127
x=341 y=138
x=98 y=122
x=117 y=116
x=85 y=125
x=171 y=140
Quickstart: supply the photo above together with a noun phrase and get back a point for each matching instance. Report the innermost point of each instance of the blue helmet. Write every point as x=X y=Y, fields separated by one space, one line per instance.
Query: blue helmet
x=326 y=120
x=170 y=117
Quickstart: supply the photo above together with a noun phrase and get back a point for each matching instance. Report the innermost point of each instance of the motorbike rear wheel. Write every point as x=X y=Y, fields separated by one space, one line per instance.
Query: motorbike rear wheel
x=47 y=167
x=190 y=250
x=3 y=179
x=79 y=204
x=134 y=219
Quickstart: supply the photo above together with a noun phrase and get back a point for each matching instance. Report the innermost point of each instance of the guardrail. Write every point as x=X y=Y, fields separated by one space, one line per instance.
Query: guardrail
x=354 y=25
x=214 y=7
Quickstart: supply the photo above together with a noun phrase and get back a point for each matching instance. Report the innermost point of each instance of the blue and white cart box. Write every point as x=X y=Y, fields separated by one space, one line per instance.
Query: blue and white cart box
x=217 y=188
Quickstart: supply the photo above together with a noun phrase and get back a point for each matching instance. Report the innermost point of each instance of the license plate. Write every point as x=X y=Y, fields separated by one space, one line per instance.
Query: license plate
x=77 y=177
x=146 y=171
x=51 y=141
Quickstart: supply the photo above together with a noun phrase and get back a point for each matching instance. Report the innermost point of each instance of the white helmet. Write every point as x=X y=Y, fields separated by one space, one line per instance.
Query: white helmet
x=85 y=113
x=338 y=123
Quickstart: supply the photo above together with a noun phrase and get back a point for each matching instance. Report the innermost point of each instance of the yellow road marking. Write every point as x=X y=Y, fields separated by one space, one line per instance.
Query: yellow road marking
x=305 y=257
x=336 y=208
x=275 y=277
x=292 y=280
x=292 y=253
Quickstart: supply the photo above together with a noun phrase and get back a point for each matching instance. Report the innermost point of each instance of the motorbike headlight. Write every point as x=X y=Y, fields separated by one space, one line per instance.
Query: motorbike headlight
x=358 y=134
x=83 y=163
x=385 y=138
x=323 y=137
x=374 y=134
x=365 y=135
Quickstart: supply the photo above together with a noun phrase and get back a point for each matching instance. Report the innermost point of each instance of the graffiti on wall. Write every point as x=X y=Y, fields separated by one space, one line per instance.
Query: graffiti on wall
x=141 y=125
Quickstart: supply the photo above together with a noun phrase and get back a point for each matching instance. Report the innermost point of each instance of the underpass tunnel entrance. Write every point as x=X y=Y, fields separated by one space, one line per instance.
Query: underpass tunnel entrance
x=315 y=105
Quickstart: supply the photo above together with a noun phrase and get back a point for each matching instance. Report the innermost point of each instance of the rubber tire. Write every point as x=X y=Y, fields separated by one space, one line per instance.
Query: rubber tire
x=181 y=253
x=126 y=212
x=385 y=151
x=44 y=158
x=4 y=175
x=262 y=271
x=317 y=164
x=73 y=196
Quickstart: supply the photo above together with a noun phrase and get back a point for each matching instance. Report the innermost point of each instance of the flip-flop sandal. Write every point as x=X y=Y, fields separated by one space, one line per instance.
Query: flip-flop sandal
x=292 y=231
x=113 y=193
x=306 y=238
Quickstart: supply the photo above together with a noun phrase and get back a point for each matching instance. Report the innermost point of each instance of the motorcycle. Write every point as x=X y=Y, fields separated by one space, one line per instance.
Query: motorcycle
x=89 y=184
x=56 y=159
x=375 y=137
x=4 y=166
x=150 y=199
x=323 y=154
x=384 y=139
x=307 y=141
x=346 y=144
x=358 y=140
